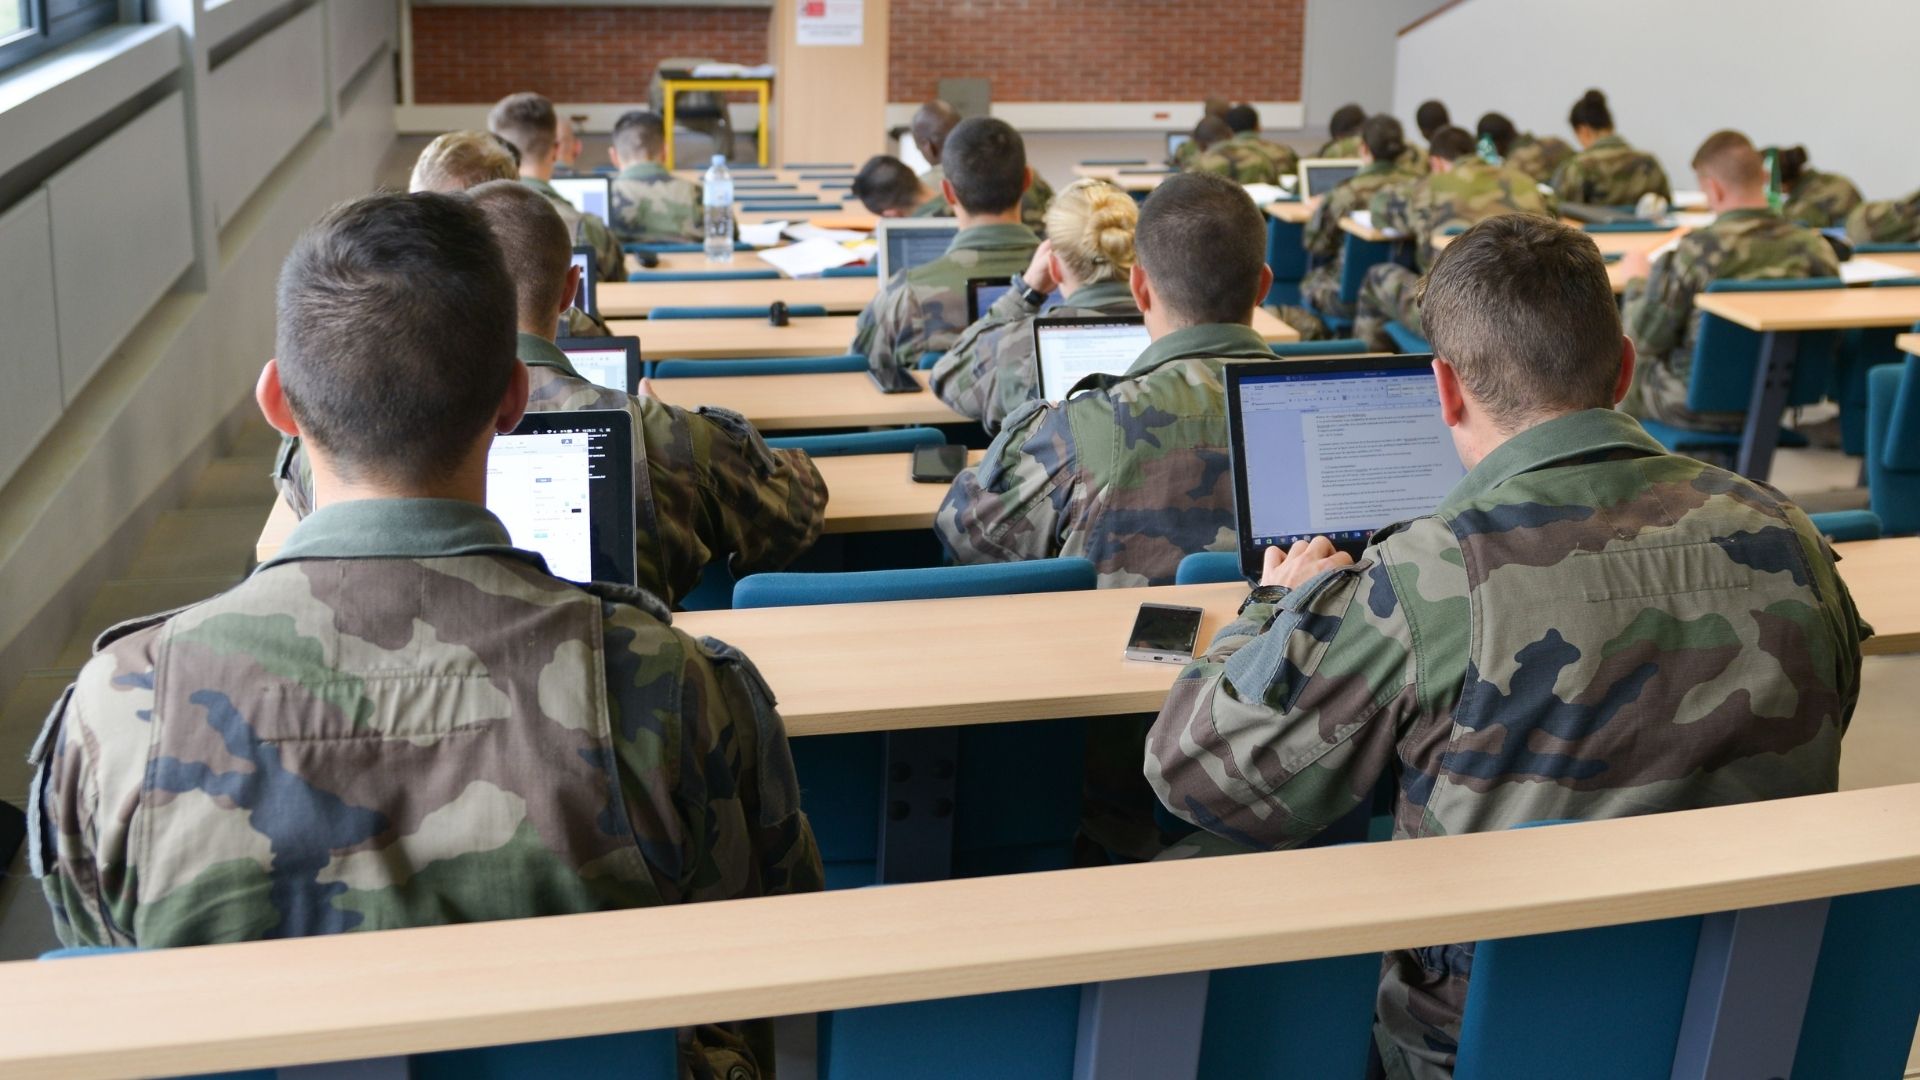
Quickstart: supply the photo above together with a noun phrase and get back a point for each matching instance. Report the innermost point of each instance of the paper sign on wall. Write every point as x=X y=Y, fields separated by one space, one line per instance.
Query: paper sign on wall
x=829 y=22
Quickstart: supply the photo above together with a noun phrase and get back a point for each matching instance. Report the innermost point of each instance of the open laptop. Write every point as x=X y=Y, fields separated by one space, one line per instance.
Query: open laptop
x=1321 y=175
x=588 y=194
x=588 y=298
x=905 y=243
x=1337 y=448
x=562 y=484
x=612 y=362
x=1069 y=349
x=984 y=292
x=1175 y=140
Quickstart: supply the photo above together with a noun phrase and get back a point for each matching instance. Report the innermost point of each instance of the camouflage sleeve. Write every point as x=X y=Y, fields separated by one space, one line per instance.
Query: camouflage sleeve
x=1392 y=208
x=871 y=330
x=609 y=257
x=1843 y=618
x=1569 y=181
x=1322 y=236
x=1293 y=715
x=969 y=377
x=1886 y=221
x=293 y=477
x=1012 y=505
x=1657 y=310
x=895 y=328
x=766 y=506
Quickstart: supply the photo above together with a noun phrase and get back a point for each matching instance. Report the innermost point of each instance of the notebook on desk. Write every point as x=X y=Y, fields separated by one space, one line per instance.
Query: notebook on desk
x=1071 y=348
x=588 y=194
x=562 y=484
x=612 y=362
x=905 y=243
x=1337 y=448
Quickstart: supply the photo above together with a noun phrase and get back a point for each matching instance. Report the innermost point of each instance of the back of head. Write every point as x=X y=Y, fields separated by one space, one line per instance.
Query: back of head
x=1346 y=120
x=1521 y=307
x=933 y=123
x=527 y=121
x=459 y=160
x=395 y=339
x=986 y=162
x=1451 y=144
x=1791 y=162
x=885 y=183
x=1242 y=118
x=1091 y=223
x=1431 y=116
x=1214 y=106
x=1384 y=137
x=1591 y=112
x=1202 y=243
x=639 y=135
x=535 y=244
x=1500 y=130
x=1210 y=130
x=1729 y=157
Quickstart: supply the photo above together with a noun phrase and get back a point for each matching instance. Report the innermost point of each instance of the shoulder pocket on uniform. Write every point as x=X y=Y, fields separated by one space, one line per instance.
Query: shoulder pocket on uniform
x=1256 y=670
x=40 y=848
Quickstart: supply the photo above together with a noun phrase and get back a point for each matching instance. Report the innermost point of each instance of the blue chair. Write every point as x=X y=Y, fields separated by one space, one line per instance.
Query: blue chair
x=675 y=247
x=936 y=582
x=856 y=270
x=1893 y=445
x=928 y=360
x=1357 y=256
x=1884 y=248
x=810 y=205
x=735 y=311
x=1406 y=340
x=1287 y=258
x=703 y=275
x=1208 y=568
x=771 y=365
x=1841 y=526
x=818 y=165
x=1861 y=350
x=1023 y=1035
x=1334 y=347
x=1280 y=1021
x=1627 y=226
x=847 y=444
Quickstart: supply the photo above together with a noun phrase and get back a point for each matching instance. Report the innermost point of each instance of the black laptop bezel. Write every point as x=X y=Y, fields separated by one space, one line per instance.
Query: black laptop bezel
x=613 y=540
x=974 y=285
x=589 y=280
x=1046 y=321
x=628 y=342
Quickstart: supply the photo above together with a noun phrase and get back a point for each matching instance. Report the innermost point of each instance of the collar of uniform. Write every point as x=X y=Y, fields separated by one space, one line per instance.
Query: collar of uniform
x=1608 y=142
x=1246 y=136
x=541 y=186
x=1746 y=213
x=645 y=170
x=1209 y=339
x=990 y=237
x=536 y=351
x=399 y=529
x=931 y=208
x=1573 y=435
x=933 y=176
x=1099 y=295
x=1377 y=168
x=1467 y=166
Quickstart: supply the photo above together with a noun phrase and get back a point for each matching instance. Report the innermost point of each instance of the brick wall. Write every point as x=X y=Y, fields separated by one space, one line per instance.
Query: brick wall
x=1032 y=50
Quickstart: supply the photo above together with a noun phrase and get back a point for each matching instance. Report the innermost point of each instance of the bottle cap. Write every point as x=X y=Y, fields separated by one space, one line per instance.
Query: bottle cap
x=719 y=159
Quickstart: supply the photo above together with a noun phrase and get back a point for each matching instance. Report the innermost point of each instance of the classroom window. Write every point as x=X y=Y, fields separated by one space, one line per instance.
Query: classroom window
x=31 y=27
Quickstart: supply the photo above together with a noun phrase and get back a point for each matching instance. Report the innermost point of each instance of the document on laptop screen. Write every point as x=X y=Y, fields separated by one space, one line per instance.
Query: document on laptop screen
x=1069 y=353
x=602 y=367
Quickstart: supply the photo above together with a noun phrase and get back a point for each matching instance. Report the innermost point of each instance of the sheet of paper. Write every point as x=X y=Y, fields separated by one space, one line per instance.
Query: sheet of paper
x=1692 y=220
x=804 y=231
x=1689 y=200
x=1364 y=219
x=808 y=258
x=1656 y=254
x=766 y=234
x=829 y=22
x=1861 y=271
x=1262 y=194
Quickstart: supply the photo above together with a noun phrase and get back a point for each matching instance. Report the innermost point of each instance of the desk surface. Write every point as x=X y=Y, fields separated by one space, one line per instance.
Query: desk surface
x=805 y=402
x=1820 y=309
x=1908 y=343
x=710 y=339
x=1906 y=260
x=683 y=261
x=1292 y=211
x=1367 y=232
x=637 y=299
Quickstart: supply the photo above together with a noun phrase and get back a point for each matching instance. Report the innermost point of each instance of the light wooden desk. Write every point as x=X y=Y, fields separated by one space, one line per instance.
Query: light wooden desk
x=711 y=339
x=637 y=299
x=805 y=402
x=685 y=261
x=1908 y=343
x=851 y=215
x=1369 y=233
x=1293 y=212
x=1109 y=171
x=1884 y=578
x=1906 y=260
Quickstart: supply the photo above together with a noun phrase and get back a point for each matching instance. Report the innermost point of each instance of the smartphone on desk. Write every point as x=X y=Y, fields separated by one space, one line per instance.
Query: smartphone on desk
x=1164 y=634
x=895 y=380
x=938 y=464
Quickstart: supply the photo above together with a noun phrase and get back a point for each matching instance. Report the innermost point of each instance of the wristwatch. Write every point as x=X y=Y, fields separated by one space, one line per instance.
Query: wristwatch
x=1033 y=297
x=1264 y=594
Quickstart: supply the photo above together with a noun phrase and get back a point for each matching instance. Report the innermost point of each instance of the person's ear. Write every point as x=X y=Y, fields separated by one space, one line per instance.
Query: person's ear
x=513 y=404
x=1266 y=285
x=1141 y=288
x=613 y=158
x=1627 y=360
x=272 y=400
x=1453 y=396
x=947 y=192
x=1054 y=269
x=572 y=291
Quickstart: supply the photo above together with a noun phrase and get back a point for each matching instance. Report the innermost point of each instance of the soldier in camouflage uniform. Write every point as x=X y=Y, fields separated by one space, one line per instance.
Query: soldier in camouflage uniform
x=1587 y=627
x=1530 y=154
x=402 y=720
x=1461 y=190
x=1747 y=240
x=888 y=188
x=932 y=126
x=1132 y=472
x=1606 y=171
x=923 y=309
x=1187 y=152
x=1818 y=200
x=650 y=203
x=707 y=486
x=1344 y=130
x=1246 y=157
x=528 y=122
x=1381 y=147
x=1886 y=221
x=991 y=370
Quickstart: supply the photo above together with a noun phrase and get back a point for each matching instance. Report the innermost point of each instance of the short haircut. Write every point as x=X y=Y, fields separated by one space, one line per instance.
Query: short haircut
x=1210 y=130
x=885 y=183
x=1346 y=120
x=1791 y=161
x=1384 y=137
x=534 y=242
x=933 y=122
x=527 y=121
x=986 y=161
x=1243 y=117
x=1521 y=307
x=1591 y=112
x=1451 y=144
x=638 y=135
x=1432 y=115
x=1202 y=243
x=1730 y=158
x=1497 y=127
x=459 y=160
x=395 y=339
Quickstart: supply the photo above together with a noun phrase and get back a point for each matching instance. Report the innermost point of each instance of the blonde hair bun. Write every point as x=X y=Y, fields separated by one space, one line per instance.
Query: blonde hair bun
x=1091 y=225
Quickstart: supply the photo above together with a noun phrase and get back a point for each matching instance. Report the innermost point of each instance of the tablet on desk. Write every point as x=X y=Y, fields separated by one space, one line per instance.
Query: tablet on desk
x=1336 y=448
x=588 y=194
x=612 y=362
x=562 y=484
x=1071 y=348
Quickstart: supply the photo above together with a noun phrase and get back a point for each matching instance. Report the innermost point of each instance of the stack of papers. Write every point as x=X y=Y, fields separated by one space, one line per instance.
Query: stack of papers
x=1364 y=219
x=811 y=258
x=1861 y=271
x=804 y=231
x=1692 y=220
x=1262 y=194
x=732 y=71
x=763 y=235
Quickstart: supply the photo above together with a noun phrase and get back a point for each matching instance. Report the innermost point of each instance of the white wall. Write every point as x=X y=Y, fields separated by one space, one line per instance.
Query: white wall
x=1349 y=53
x=1839 y=77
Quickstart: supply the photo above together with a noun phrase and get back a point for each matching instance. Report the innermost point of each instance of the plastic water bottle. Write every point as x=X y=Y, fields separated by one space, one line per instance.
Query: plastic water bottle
x=718 y=201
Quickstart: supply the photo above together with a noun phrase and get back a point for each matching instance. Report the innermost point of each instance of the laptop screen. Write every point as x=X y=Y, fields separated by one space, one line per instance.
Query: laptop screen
x=983 y=293
x=1175 y=140
x=1335 y=448
x=562 y=484
x=610 y=362
x=586 y=299
x=1321 y=175
x=905 y=244
x=588 y=194
x=1071 y=349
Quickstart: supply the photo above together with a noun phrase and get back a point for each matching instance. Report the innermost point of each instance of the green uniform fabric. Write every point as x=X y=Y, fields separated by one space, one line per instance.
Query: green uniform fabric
x=706 y=485
x=650 y=203
x=934 y=207
x=1821 y=200
x=1537 y=157
x=1345 y=147
x=581 y=324
x=1610 y=173
x=1132 y=473
x=610 y=260
x=1886 y=221
x=1184 y=155
x=1659 y=312
x=923 y=310
x=1248 y=159
x=404 y=721
x=1588 y=627
x=991 y=370
x=1326 y=243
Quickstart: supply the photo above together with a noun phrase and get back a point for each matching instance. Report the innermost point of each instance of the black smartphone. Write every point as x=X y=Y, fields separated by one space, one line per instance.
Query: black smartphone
x=895 y=380
x=938 y=464
x=1164 y=634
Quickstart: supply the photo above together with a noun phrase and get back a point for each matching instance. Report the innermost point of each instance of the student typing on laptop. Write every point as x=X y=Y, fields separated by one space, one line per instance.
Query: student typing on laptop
x=1586 y=627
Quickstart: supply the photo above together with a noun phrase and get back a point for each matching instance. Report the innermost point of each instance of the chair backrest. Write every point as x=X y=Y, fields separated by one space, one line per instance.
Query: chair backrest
x=848 y=443
x=1023 y=1035
x=1725 y=354
x=856 y=270
x=675 y=247
x=1208 y=568
x=1357 y=257
x=771 y=365
x=927 y=583
x=1331 y=347
x=1901 y=446
x=1893 y=445
x=1841 y=526
x=1286 y=250
x=783 y=206
x=1884 y=248
x=735 y=311
x=703 y=275
x=1626 y=226
x=928 y=360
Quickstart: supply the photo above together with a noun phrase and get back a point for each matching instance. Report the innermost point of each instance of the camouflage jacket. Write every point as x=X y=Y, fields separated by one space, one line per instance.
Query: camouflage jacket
x=1821 y=200
x=1346 y=147
x=1033 y=201
x=1538 y=157
x=707 y=486
x=1323 y=237
x=1887 y=221
x=1248 y=159
x=650 y=203
x=1184 y=155
x=936 y=206
x=992 y=371
x=1665 y=636
x=923 y=310
x=1132 y=473
x=610 y=259
x=1610 y=173
x=1466 y=194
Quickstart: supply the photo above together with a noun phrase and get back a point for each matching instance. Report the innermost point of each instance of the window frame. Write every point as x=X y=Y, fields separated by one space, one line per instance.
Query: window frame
x=44 y=33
